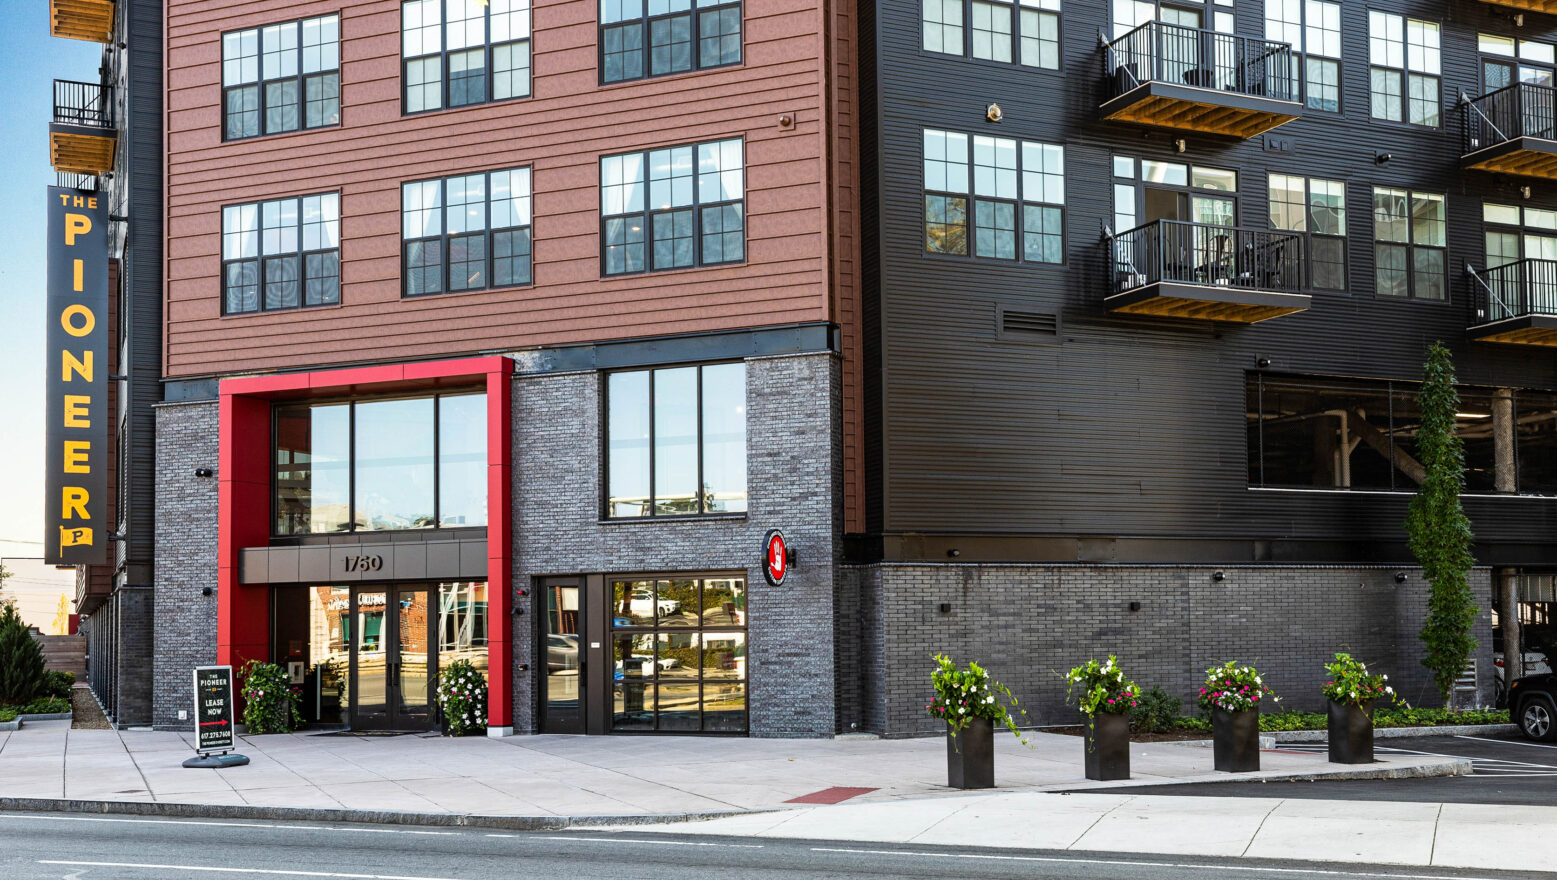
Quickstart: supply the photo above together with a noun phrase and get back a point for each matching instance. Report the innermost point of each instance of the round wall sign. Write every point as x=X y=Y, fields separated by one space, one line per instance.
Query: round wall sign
x=775 y=557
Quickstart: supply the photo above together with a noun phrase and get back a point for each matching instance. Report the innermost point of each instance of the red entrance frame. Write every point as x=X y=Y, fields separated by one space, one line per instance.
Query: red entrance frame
x=243 y=520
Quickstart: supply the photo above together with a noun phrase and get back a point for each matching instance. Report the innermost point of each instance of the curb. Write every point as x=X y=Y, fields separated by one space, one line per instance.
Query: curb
x=48 y=716
x=1306 y=736
x=370 y=817
x=13 y=724
x=1456 y=767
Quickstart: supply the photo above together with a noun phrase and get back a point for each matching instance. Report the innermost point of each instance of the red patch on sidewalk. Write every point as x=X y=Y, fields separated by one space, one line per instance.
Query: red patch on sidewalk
x=829 y=795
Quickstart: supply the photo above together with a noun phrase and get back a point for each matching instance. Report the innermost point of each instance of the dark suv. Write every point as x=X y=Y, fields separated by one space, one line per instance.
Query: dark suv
x=1532 y=704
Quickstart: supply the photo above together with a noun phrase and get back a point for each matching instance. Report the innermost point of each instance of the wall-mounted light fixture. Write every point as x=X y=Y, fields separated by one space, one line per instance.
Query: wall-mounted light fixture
x=1180 y=145
x=944 y=608
x=993 y=113
x=1219 y=575
x=954 y=552
x=1400 y=577
x=1524 y=192
x=206 y=591
x=204 y=472
x=1381 y=158
x=1262 y=363
x=1135 y=606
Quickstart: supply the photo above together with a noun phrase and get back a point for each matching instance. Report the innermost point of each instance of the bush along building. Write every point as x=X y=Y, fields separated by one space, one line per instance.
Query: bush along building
x=1148 y=291
x=507 y=332
x=105 y=142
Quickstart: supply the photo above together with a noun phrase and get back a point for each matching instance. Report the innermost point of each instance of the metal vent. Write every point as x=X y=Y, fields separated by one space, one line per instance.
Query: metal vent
x=1028 y=325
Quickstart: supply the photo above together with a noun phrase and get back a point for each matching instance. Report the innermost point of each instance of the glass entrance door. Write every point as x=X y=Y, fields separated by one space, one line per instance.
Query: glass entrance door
x=563 y=707
x=391 y=658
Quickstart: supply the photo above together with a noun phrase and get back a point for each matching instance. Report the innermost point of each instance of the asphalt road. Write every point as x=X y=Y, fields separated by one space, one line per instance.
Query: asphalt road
x=76 y=847
x=1507 y=771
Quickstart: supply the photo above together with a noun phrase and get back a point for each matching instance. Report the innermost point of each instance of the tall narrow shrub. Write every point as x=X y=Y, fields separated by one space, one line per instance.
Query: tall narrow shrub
x=1438 y=530
x=21 y=660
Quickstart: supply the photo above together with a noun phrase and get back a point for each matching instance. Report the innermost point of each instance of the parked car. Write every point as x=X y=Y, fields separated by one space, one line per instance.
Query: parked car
x=1532 y=704
x=1536 y=663
x=643 y=604
x=561 y=651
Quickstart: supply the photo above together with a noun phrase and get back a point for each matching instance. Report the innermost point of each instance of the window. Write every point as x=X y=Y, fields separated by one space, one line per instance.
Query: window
x=1318 y=207
x=1313 y=29
x=694 y=209
x=281 y=77
x=455 y=53
x=380 y=465
x=1010 y=179
x=467 y=232
x=1306 y=432
x=679 y=650
x=282 y=254
x=676 y=441
x=1131 y=14
x=1514 y=235
x=1404 y=67
x=667 y=36
x=1409 y=231
x=1025 y=32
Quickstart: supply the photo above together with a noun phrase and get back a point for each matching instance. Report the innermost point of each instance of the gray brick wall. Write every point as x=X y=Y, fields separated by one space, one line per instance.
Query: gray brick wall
x=134 y=619
x=793 y=482
x=1028 y=624
x=187 y=435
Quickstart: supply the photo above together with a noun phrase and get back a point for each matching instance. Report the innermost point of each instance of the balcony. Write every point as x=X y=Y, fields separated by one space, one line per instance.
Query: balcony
x=1515 y=303
x=82 y=135
x=1173 y=269
x=90 y=20
x=1527 y=5
x=1511 y=131
x=1189 y=79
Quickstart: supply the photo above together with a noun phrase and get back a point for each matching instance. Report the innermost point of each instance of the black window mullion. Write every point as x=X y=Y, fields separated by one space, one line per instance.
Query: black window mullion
x=437 y=460
x=653 y=505
x=351 y=466
x=700 y=494
x=1259 y=403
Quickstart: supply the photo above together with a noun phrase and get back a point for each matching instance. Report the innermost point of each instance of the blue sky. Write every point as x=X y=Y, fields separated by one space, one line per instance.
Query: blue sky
x=28 y=67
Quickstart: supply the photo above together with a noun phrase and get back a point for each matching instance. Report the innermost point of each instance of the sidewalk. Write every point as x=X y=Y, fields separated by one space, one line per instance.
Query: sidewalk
x=1200 y=829
x=573 y=780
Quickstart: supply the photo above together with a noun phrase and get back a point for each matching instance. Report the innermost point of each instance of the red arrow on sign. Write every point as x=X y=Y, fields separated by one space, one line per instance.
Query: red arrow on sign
x=222 y=723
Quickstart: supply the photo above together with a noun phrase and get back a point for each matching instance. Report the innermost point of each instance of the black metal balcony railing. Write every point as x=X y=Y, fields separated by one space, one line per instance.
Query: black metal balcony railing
x=1186 y=56
x=1513 y=290
x=87 y=182
x=89 y=105
x=1519 y=110
x=1207 y=254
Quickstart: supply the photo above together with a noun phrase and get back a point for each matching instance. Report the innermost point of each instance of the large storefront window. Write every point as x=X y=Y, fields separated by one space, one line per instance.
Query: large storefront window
x=679 y=648
x=340 y=644
x=677 y=441
x=1344 y=434
x=379 y=465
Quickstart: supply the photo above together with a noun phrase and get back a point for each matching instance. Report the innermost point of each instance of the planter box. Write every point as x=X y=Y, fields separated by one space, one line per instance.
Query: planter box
x=1351 y=733
x=1235 y=740
x=1108 y=747
x=970 y=756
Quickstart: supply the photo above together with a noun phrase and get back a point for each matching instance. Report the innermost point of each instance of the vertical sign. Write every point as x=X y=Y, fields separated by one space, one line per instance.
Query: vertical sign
x=75 y=490
x=213 y=709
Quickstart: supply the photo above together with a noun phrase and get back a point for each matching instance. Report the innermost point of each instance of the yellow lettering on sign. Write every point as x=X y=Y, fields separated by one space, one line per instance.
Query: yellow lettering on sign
x=79 y=270
x=73 y=502
x=64 y=199
x=76 y=415
x=67 y=320
x=76 y=452
x=92 y=202
x=74 y=537
x=76 y=224
x=69 y=364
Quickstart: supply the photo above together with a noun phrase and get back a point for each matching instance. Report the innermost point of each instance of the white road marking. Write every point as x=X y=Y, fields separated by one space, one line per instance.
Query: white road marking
x=658 y=842
x=239 y=870
x=1516 y=742
x=1200 y=867
x=44 y=818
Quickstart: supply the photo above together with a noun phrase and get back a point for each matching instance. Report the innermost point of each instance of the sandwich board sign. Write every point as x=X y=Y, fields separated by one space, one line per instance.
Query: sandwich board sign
x=214 y=738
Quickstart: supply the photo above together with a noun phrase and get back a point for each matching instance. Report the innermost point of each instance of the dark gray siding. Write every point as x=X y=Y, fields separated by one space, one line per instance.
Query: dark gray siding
x=1126 y=440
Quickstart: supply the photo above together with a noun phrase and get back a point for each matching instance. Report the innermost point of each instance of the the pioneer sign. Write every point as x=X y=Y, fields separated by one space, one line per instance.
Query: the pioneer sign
x=76 y=524
x=213 y=709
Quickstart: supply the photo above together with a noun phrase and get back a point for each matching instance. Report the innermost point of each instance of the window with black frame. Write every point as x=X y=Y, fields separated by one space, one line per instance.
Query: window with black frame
x=1025 y=32
x=1404 y=69
x=678 y=647
x=467 y=232
x=1331 y=433
x=1313 y=29
x=281 y=254
x=455 y=53
x=1018 y=190
x=645 y=38
x=1318 y=207
x=380 y=465
x=673 y=208
x=281 y=77
x=676 y=441
x=1410 y=232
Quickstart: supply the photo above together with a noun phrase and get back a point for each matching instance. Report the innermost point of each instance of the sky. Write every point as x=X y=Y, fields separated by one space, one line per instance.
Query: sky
x=31 y=62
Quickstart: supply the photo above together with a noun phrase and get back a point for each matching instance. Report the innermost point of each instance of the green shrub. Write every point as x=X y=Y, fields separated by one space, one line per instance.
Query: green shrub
x=59 y=684
x=1408 y=716
x=1277 y=721
x=21 y=660
x=271 y=701
x=7 y=714
x=1156 y=711
x=1101 y=688
x=43 y=706
x=462 y=695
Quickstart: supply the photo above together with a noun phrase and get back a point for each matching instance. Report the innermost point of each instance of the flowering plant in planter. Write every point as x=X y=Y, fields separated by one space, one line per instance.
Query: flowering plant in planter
x=462 y=695
x=962 y=695
x=1234 y=688
x=270 y=700
x=1101 y=688
x=1350 y=682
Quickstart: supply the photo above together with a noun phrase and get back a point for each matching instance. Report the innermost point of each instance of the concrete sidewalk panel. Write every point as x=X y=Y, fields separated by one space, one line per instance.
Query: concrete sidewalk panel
x=1179 y=825
x=1497 y=836
x=1348 y=831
